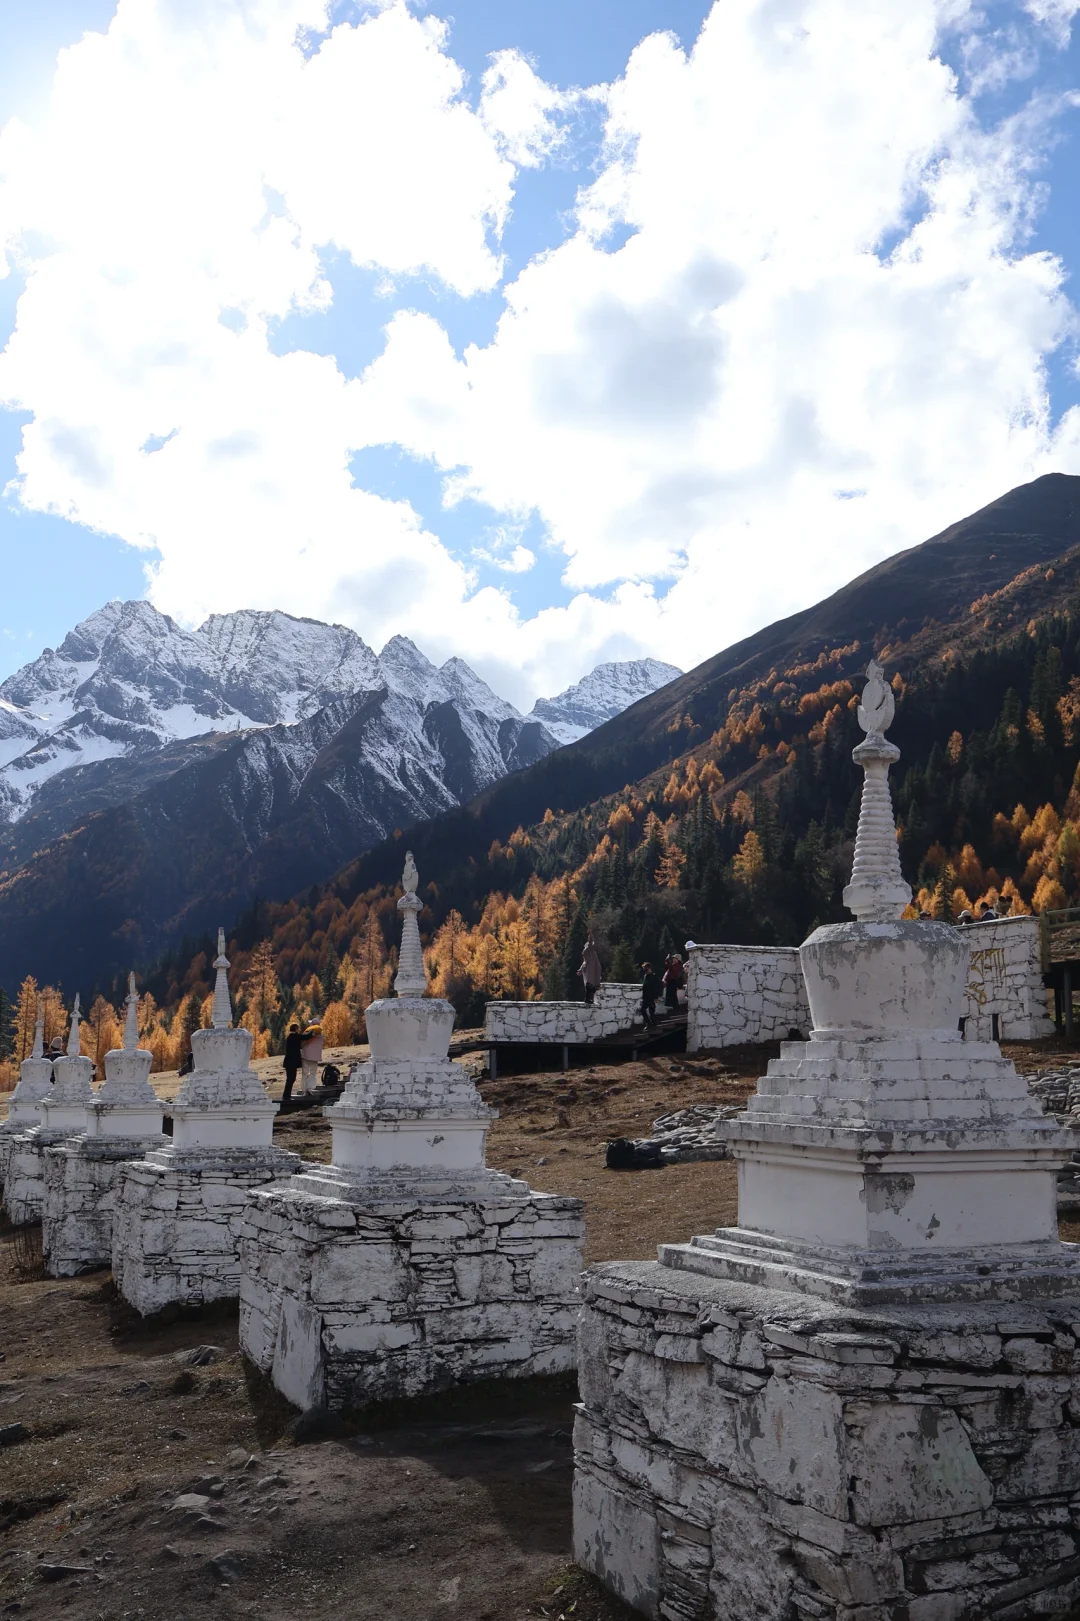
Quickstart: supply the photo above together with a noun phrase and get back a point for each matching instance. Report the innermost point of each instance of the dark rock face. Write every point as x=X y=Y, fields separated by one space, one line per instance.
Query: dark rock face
x=153 y=780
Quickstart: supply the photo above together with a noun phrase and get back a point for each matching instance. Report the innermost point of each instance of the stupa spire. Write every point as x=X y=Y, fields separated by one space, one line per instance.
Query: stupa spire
x=131 y=1020
x=221 y=1017
x=73 y=1049
x=877 y=892
x=38 y=1050
x=411 y=978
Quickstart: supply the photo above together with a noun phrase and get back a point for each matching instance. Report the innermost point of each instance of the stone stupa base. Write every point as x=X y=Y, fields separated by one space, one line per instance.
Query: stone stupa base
x=10 y=1130
x=752 y=1454
x=24 y=1179
x=176 y=1222
x=81 y=1183
x=359 y=1287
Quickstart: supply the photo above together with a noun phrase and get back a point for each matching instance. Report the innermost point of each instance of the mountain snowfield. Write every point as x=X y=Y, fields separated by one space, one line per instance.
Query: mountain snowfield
x=154 y=781
x=128 y=681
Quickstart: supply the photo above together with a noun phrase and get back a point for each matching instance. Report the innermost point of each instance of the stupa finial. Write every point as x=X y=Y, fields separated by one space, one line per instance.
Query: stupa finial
x=877 y=892
x=39 y=1032
x=73 y=1033
x=411 y=978
x=131 y=1020
x=221 y=1016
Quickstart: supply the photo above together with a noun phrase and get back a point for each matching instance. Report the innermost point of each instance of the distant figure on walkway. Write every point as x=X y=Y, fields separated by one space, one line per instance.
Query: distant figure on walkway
x=590 y=970
x=311 y=1055
x=650 y=990
x=294 y=1041
x=674 y=978
x=987 y=914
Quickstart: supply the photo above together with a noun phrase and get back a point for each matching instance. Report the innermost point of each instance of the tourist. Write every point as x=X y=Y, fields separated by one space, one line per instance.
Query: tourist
x=590 y=971
x=650 y=990
x=673 y=982
x=987 y=913
x=311 y=1055
x=965 y=918
x=294 y=1041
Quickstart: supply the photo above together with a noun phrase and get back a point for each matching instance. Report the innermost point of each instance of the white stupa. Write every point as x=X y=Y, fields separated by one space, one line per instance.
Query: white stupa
x=855 y=1403
x=82 y=1175
x=406 y=1264
x=63 y=1114
x=34 y=1085
x=177 y=1210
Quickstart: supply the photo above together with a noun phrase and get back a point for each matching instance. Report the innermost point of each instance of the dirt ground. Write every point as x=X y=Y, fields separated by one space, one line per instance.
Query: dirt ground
x=456 y=1506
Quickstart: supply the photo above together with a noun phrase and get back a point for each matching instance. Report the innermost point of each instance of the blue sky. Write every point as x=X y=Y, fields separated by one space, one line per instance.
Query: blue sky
x=56 y=572
x=535 y=376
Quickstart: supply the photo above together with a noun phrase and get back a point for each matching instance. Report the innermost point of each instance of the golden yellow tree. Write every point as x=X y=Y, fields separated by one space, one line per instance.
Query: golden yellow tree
x=56 y=1017
x=25 y=1018
x=749 y=864
x=102 y=1032
x=518 y=967
x=260 y=988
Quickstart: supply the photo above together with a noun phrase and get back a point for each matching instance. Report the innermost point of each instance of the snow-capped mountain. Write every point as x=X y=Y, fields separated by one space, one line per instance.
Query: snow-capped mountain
x=128 y=682
x=601 y=696
x=154 y=780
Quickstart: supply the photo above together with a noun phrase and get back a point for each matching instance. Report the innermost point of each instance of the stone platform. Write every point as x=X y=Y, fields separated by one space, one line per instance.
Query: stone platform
x=360 y=1288
x=176 y=1222
x=81 y=1185
x=758 y=1454
x=24 y=1177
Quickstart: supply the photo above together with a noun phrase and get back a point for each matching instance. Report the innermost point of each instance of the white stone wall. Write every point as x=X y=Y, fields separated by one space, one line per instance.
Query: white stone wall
x=176 y=1223
x=756 y=993
x=348 y=1298
x=744 y=1453
x=1005 y=978
x=617 y=1007
x=24 y=1180
x=738 y=994
x=81 y=1183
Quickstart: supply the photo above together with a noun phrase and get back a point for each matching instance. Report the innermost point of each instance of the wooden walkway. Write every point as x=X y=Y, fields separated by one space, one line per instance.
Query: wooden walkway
x=667 y=1035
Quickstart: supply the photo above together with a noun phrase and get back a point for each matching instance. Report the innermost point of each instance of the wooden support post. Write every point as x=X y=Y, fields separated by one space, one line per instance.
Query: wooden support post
x=1066 y=976
x=565 y=1057
x=493 y=1062
x=1057 y=1006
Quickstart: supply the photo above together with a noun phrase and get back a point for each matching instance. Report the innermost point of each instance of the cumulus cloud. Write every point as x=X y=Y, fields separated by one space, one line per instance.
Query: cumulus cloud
x=796 y=323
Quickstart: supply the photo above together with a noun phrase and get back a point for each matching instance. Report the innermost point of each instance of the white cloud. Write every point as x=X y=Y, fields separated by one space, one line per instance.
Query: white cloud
x=823 y=338
x=701 y=402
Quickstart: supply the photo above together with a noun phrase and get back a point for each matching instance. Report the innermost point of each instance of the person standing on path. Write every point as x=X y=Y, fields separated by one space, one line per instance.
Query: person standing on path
x=311 y=1055
x=590 y=970
x=673 y=982
x=293 y=1043
x=650 y=990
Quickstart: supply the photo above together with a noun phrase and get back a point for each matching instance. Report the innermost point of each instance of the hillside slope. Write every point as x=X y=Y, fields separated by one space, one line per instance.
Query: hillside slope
x=914 y=604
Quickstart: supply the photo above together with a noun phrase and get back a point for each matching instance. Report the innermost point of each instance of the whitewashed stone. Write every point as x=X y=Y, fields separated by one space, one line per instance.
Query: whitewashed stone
x=176 y=1210
x=406 y=1265
x=24 y=1110
x=63 y=1110
x=857 y=1403
x=81 y=1176
x=616 y=1007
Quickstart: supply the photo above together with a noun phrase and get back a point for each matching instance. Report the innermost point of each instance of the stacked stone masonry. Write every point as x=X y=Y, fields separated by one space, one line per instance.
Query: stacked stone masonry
x=350 y=1298
x=24 y=1178
x=756 y=994
x=81 y=1187
x=176 y=1222
x=738 y=994
x=616 y=1008
x=750 y=1454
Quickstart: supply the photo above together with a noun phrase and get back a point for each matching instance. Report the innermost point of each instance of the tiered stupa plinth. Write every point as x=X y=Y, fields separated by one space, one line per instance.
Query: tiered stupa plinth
x=406 y=1265
x=178 y=1208
x=63 y=1109
x=856 y=1403
x=82 y=1175
x=24 y=1110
